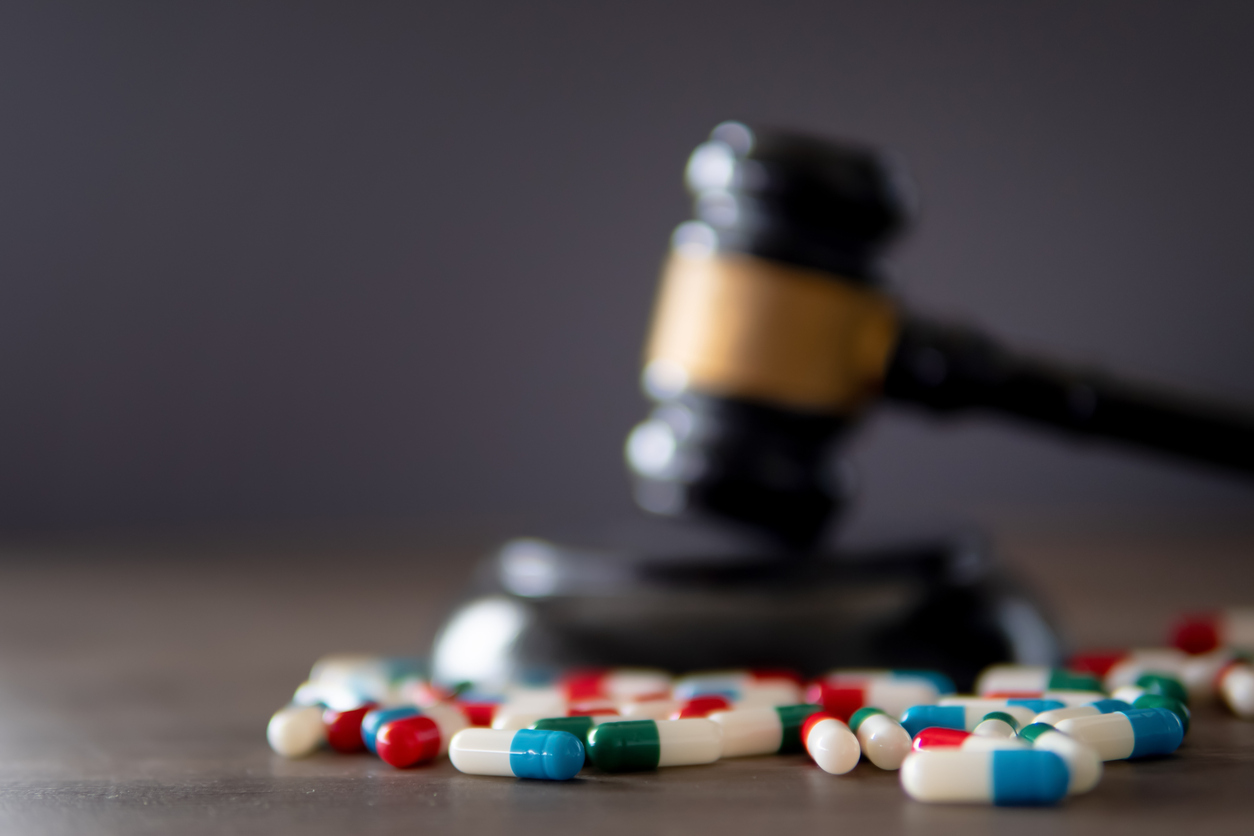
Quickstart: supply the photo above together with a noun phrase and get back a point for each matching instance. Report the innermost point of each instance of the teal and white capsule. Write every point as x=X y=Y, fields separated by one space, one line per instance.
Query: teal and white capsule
x=1004 y=777
x=1084 y=767
x=296 y=731
x=526 y=753
x=1135 y=733
x=1032 y=678
x=1057 y=715
x=763 y=731
x=997 y=724
x=1033 y=704
x=884 y=742
x=634 y=745
x=965 y=717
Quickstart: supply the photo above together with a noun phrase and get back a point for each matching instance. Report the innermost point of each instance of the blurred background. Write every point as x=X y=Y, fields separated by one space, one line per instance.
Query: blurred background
x=391 y=264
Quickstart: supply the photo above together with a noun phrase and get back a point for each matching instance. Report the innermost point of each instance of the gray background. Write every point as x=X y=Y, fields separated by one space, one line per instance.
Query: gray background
x=279 y=263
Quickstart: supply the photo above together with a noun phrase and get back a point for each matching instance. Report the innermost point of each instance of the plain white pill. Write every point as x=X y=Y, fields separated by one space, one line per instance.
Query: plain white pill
x=296 y=731
x=883 y=740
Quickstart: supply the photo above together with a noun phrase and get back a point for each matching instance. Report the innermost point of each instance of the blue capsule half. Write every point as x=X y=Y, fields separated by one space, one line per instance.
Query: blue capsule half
x=547 y=755
x=1158 y=731
x=1037 y=705
x=1023 y=777
x=919 y=717
x=374 y=720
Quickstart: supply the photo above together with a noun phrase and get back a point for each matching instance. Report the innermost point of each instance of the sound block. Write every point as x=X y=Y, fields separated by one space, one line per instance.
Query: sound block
x=542 y=607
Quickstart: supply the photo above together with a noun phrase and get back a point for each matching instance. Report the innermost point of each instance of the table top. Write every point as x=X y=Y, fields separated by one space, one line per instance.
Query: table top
x=136 y=682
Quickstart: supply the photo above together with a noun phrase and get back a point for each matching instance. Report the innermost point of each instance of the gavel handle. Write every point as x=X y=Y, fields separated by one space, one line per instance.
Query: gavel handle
x=950 y=369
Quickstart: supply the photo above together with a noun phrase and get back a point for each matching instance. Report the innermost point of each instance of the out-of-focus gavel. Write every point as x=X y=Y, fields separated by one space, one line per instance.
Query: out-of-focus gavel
x=772 y=334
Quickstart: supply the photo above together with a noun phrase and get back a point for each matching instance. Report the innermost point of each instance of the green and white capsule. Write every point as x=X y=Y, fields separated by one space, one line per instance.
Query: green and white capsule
x=634 y=745
x=580 y=726
x=997 y=724
x=763 y=731
x=883 y=740
x=1032 y=679
x=1083 y=764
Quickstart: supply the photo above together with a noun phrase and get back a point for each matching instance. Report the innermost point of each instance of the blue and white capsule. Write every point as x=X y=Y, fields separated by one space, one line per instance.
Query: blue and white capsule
x=965 y=717
x=1136 y=733
x=1057 y=715
x=1036 y=704
x=1004 y=777
x=526 y=753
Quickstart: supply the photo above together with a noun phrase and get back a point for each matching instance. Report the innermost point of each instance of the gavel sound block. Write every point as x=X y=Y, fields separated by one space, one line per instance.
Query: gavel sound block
x=773 y=334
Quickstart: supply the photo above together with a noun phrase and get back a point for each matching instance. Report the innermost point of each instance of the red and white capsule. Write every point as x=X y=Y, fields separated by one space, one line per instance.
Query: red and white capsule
x=830 y=743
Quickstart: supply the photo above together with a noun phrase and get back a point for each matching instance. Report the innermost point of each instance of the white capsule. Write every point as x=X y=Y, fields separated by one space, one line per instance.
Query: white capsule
x=450 y=719
x=1101 y=706
x=633 y=683
x=649 y=709
x=762 y=731
x=742 y=687
x=1237 y=688
x=296 y=731
x=1073 y=698
x=1200 y=673
x=767 y=694
x=833 y=746
x=1162 y=660
x=1083 y=764
x=1003 y=777
x=1128 y=693
x=883 y=740
x=1013 y=678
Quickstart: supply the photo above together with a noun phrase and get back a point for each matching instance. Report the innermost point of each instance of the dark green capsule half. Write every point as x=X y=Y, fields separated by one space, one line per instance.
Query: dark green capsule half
x=578 y=726
x=860 y=715
x=1032 y=731
x=629 y=746
x=1004 y=717
x=1159 y=701
x=1064 y=680
x=791 y=718
x=1164 y=686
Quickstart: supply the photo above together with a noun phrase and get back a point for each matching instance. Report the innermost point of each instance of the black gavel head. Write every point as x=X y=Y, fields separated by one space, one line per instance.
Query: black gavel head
x=769 y=333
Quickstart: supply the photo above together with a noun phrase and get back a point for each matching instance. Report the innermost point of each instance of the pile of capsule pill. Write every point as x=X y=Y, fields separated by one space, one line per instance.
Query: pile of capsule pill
x=1028 y=736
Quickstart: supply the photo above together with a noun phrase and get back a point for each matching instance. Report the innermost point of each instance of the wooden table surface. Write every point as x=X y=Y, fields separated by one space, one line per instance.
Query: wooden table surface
x=136 y=682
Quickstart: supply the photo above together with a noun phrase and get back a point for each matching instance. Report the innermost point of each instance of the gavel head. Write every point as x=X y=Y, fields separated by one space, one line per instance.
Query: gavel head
x=770 y=333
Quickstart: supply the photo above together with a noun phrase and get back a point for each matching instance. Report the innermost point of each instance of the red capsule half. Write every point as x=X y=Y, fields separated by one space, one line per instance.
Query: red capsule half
x=344 y=728
x=408 y=741
x=938 y=738
x=701 y=707
x=841 y=701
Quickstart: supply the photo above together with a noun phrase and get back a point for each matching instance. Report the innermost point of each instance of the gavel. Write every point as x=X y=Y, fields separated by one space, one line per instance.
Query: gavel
x=773 y=334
